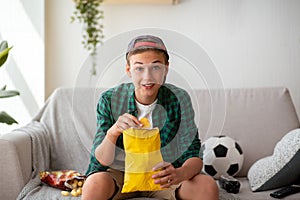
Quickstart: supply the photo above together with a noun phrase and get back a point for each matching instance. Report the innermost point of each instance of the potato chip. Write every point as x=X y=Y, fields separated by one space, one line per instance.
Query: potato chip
x=145 y=122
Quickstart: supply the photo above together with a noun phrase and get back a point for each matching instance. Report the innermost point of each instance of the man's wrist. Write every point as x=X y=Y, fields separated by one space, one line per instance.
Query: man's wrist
x=111 y=137
x=183 y=172
x=190 y=168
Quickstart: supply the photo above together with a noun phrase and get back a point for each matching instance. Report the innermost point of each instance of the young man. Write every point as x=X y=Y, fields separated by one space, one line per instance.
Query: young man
x=167 y=107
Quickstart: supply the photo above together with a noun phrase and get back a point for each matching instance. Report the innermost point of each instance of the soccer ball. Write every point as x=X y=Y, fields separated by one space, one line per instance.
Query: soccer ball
x=222 y=155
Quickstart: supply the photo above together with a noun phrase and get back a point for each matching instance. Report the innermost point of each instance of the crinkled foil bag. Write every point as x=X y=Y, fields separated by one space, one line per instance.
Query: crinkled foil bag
x=61 y=179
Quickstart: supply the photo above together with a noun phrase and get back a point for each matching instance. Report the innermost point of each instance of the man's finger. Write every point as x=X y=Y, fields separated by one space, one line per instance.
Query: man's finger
x=161 y=165
x=133 y=121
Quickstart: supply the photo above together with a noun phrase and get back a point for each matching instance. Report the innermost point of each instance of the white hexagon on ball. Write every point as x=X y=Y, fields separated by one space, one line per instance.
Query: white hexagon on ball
x=222 y=155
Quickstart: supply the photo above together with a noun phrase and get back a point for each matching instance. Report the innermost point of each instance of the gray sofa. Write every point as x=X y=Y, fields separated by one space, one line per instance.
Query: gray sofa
x=60 y=135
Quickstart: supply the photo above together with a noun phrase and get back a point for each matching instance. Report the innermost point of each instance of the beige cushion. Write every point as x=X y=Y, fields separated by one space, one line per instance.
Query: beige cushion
x=257 y=118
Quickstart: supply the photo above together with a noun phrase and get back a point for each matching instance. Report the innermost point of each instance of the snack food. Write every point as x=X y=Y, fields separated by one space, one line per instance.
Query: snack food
x=66 y=180
x=76 y=186
x=145 y=122
x=142 y=153
x=65 y=193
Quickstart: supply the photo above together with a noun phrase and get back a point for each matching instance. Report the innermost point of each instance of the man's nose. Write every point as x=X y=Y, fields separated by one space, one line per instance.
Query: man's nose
x=148 y=73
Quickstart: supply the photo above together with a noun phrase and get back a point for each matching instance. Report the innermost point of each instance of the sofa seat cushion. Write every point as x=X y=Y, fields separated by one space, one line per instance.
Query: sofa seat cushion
x=280 y=169
x=246 y=194
x=47 y=192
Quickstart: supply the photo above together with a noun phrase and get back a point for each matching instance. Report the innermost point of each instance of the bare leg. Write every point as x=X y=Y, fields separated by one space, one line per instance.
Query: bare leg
x=98 y=186
x=199 y=187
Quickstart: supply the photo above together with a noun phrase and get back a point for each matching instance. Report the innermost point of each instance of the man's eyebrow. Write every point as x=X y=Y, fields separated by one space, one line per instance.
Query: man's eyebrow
x=141 y=63
x=137 y=62
x=157 y=61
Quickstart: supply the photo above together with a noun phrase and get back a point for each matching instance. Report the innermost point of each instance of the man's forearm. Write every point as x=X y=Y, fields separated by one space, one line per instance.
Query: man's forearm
x=105 y=152
x=191 y=167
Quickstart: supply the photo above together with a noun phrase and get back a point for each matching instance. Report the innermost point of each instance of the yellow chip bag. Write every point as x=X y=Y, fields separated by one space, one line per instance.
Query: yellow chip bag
x=142 y=150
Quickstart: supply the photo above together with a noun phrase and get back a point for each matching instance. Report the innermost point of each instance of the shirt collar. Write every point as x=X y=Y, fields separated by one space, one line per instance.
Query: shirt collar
x=132 y=109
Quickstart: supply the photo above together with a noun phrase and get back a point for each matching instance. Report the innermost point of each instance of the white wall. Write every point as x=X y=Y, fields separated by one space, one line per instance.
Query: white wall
x=253 y=43
x=22 y=25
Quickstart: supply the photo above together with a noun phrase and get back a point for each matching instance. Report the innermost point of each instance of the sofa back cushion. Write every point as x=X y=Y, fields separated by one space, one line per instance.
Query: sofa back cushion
x=256 y=117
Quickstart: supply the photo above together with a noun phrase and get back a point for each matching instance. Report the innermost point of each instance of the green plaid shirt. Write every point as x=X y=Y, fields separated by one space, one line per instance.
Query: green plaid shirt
x=173 y=115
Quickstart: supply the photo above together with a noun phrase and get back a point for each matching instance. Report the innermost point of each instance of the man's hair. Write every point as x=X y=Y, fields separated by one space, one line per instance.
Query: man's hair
x=137 y=51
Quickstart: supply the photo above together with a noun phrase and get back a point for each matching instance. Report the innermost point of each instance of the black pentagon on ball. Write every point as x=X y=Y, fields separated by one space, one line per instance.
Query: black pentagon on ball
x=238 y=147
x=233 y=169
x=210 y=170
x=220 y=151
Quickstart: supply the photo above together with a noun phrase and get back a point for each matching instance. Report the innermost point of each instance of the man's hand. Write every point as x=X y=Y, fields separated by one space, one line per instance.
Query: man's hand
x=124 y=122
x=105 y=152
x=167 y=175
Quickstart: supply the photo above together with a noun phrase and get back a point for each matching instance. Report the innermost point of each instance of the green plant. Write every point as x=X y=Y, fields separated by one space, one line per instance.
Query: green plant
x=4 y=117
x=88 y=13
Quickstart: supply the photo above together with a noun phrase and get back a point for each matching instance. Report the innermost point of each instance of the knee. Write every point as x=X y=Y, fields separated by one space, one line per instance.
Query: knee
x=205 y=184
x=199 y=187
x=97 y=185
x=210 y=184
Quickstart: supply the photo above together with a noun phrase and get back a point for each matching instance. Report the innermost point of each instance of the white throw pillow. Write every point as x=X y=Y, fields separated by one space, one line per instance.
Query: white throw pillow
x=279 y=169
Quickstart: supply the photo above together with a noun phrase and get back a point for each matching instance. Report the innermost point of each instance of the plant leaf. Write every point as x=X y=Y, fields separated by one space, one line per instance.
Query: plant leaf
x=8 y=93
x=4 y=55
x=6 y=118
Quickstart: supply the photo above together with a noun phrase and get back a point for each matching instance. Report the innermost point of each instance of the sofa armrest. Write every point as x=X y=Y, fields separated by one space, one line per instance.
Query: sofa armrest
x=16 y=163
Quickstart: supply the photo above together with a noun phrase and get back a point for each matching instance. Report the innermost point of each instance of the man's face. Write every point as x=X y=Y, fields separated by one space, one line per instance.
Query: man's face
x=148 y=71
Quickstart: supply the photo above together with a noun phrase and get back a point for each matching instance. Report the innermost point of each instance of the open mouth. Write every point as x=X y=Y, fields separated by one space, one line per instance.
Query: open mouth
x=148 y=85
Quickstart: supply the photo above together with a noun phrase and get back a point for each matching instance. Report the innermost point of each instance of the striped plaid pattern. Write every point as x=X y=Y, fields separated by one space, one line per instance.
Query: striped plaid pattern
x=173 y=115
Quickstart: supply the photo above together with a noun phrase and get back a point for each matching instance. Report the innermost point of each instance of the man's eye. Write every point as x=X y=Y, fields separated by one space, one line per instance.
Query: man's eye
x=156 y=67
x=139 y=69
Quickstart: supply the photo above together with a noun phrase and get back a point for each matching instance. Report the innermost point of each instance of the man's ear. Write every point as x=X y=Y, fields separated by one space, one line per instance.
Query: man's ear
x=167 y=68
x=128 y=70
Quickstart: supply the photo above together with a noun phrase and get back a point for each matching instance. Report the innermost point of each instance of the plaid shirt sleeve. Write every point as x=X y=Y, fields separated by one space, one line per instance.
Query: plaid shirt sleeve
x=104 y=122
x=112 y=104
x=189 y=138
x=180 y=135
